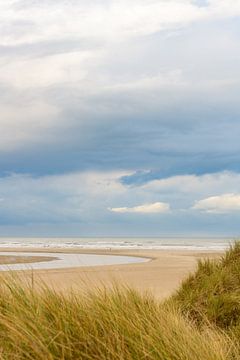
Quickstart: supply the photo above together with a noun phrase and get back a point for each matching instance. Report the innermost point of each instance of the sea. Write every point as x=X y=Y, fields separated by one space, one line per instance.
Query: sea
x=134 y=243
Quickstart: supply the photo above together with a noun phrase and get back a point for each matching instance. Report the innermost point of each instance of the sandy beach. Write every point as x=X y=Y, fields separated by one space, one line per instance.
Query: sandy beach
x=161 y=275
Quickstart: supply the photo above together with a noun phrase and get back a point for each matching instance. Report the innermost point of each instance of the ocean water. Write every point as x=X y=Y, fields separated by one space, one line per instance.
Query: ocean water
x=167 y=243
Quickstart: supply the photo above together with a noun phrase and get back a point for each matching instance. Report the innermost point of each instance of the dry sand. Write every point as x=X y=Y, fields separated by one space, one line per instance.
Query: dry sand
x=162 y=274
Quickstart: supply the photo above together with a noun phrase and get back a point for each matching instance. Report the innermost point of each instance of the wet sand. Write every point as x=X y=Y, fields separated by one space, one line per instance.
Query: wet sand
x=8 y=259
x=161 y=275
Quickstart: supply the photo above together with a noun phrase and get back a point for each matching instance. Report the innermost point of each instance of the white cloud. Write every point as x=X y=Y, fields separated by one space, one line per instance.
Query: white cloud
x=219 y=204
x=161 y=80
x=23 y=124
x=112 y=20
x=157 y=207
x=104 y=22
x=23 y=73
x=206 y=184
x=87 y=51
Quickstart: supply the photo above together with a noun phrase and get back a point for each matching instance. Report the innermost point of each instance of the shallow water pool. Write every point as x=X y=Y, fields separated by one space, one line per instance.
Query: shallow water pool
x=64 y=260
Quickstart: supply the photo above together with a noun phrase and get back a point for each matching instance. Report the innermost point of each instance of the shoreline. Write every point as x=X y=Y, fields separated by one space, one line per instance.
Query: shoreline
x=13 y=260
x=161 y=275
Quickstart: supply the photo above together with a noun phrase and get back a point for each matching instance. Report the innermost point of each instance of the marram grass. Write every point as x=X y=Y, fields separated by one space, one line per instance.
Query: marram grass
x=212 y=293
x=122 y=324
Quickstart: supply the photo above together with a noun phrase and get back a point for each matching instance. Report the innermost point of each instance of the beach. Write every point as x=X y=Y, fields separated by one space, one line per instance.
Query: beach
x=161 y=274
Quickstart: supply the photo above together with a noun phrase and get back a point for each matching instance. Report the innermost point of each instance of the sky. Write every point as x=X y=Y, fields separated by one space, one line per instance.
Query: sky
x=119 y=118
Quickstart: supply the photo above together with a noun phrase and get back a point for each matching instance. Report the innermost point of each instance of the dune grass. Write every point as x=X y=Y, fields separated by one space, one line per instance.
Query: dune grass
x=123 y=324
x=212 y=293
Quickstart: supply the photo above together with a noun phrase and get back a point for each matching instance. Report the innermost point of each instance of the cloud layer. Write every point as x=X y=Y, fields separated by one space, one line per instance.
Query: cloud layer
x=79 y=204
x=123 y=105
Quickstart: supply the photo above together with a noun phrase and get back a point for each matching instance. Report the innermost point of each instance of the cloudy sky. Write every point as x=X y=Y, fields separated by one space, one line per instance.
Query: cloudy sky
x=119 y=118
